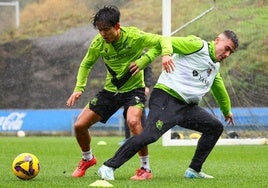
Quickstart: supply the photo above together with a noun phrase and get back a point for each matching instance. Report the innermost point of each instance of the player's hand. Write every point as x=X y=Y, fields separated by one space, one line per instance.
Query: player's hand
x=134 y=69
x=167 y=63
x=74 y=97
x=230 y=119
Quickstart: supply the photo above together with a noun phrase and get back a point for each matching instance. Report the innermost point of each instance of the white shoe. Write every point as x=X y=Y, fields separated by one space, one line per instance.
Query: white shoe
x=191 y=173
x=106 y=173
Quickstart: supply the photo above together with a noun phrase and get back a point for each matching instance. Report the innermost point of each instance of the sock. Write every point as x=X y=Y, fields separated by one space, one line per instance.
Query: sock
x=87 y=155
x=145 y=162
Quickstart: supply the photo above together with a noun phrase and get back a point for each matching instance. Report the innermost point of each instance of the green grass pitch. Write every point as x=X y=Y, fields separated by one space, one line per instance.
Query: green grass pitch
x=232 y=166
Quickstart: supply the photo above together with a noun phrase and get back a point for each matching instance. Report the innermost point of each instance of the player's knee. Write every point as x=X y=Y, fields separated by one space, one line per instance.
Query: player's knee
x=152 y=139
x=133 y=121
x=218 y=128
x=77 y=126
x=143 y=140
x=135 y=126
x=80 y=126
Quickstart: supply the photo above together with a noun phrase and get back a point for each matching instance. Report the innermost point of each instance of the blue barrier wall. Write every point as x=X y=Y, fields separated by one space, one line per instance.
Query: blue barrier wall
x=44 y=120
x=37 y=120
x=62 y=119
x=247 y=116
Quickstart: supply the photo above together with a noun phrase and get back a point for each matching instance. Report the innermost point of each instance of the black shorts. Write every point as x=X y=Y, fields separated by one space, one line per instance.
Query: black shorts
x=106 y=103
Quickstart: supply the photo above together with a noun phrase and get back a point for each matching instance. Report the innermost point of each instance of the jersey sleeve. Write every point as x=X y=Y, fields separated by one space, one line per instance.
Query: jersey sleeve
x=86 y=65
x=156 y=45
x=220 y=93
x=186 y=45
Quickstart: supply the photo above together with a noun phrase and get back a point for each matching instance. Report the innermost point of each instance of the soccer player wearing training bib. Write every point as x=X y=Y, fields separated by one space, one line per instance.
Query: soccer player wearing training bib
x=121 y=49
x=175 y=97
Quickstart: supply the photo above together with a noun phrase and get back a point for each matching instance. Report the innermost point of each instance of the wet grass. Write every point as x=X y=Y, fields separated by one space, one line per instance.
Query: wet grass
x=232 y=166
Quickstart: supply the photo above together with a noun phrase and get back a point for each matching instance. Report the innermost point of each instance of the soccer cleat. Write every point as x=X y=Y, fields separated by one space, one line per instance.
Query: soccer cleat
x=192 y=174
x=106 y=173
x=83 y=166
x=142 y=174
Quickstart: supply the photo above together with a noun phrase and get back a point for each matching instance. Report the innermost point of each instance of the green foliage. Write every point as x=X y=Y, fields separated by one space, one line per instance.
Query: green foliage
x=232 y=166
x=245 y=72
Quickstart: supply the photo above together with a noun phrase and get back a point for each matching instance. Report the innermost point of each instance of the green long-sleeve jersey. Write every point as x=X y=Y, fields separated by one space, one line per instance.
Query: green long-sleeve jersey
x=196 y=72
x=119 y=55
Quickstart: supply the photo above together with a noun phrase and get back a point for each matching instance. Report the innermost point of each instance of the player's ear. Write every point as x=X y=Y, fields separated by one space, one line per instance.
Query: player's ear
x=217 y=39
x=117 y=26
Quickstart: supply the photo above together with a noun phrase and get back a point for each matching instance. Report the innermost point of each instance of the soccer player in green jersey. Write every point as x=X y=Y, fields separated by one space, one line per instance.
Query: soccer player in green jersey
x=175 y=97
x=121 y=49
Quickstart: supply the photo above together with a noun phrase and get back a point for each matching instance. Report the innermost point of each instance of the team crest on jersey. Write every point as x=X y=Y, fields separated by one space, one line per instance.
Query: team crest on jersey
x=209 y=70
x=127 y=46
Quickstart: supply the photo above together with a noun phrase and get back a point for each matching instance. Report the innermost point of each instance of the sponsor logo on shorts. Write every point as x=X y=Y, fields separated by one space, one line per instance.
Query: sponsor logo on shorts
x=159 y=124
x=94 y=101
x=137 y=99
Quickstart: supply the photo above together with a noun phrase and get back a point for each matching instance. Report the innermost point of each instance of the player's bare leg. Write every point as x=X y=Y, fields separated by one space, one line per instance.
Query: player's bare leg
x=134 y=122
x=84 y=121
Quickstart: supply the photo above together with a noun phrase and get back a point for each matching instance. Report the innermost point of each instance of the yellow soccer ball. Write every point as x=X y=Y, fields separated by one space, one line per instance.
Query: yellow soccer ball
x=26 y=166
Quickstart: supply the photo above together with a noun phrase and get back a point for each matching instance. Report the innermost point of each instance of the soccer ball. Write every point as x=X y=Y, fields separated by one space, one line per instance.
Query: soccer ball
x=26 y=166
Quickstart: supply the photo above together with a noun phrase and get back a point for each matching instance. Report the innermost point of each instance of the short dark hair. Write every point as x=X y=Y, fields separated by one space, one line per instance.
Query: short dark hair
x=232 y=36
x=108 y=15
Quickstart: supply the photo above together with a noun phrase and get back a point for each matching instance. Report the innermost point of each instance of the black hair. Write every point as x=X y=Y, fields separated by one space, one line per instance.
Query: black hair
x=108 y=16
x=232 y=36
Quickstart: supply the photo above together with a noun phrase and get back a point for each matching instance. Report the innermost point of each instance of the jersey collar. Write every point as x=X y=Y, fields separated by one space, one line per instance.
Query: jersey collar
x=212 y=51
